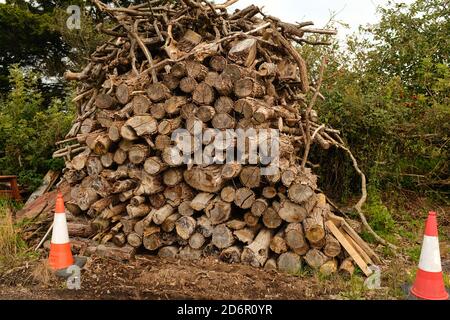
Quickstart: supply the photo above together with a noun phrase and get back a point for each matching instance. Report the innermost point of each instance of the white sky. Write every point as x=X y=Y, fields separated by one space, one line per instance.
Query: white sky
x=352 y=12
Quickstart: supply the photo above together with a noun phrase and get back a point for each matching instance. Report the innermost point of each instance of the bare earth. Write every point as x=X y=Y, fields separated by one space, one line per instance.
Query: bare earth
x=152 y=278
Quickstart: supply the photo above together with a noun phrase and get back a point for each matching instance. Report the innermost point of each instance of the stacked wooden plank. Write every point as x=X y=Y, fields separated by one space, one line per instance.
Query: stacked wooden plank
x=168 y=66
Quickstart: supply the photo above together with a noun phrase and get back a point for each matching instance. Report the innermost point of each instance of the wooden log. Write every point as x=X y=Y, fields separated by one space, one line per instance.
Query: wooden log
x=102 y=144
x=119 y=239
x=123 y=185
x=157 y=200
x=138 y=126
x=271 y=219
x=291 y=212
x=218 y=211
x=196 y=241
x=250 y=219
x=188 y=84
x=289 y=262
x=223 y=121
x=185 y=208
x=138 y=211
x=218 y=63
x=188 y=253
x=245 y=198
x=158 y=92
x=196 y=70
x=257 y=252
x=100 y=224
x=299 y=193
x=211 y=78
x=203 y=94
x=88 y=125
x=93 y=166
x=224 y=85
x=125 y=253
x=233 y=71
x=314 y=226
x=259 y=207
x=86 y=197
x=158 y=111
x=120 y=156
x=162 y=142
x=205 y=113
x=178 y=70
x=204 y=226
x=172 y=176
x=278 y=243
x=107 y=159
x=169 y=224
x=82 y=229
x=223 y=104
x=79 y=161
x=294 y=235
x=248 y=87
x=222 y=237
x=154 y=239
x=332 y=246
x=288 y=176
x=315 y=258
x=271 y=265
x=162 y=214
x=173 y=105
x=269 y=192
x=127 y=224
x=347 y=268
x=231 y=254
x=206 y=179
x=104 y=101
x=250 y=177
x=170 y=81
x=201 y=201
x=154 y=165
x=228 y=194
x=149 y=185
x=243 y=52
x=123 y=93
x=168 y=252
x=329 y=267
x=138 y=153
x=236 y=224
x=245 y=235
x=141 y=104
x=126 y=195
x=231 y=170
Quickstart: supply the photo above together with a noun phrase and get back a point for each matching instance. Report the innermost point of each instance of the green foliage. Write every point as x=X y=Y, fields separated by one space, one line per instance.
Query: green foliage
x=389 y=93
x=29 y=129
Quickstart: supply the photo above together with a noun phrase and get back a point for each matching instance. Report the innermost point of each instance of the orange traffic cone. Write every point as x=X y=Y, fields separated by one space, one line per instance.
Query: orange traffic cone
x=60 y=253
x=429 y=282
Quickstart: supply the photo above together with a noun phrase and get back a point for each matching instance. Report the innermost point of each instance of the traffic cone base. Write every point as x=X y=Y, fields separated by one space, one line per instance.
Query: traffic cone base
x=429 y=285
x=60 y=256
x=429 y=282
x=60 y=252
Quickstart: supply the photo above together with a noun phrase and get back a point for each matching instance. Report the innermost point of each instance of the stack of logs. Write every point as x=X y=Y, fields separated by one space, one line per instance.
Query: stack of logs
x=166 y=66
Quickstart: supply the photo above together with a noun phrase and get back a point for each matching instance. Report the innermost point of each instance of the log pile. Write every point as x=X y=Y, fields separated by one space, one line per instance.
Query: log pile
x=166 y=66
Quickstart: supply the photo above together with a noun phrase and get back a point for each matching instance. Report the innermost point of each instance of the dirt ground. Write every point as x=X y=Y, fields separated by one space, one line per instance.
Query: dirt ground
x=149 y=277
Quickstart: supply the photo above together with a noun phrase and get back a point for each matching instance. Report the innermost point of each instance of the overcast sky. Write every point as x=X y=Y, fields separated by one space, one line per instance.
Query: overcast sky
x=352 y=12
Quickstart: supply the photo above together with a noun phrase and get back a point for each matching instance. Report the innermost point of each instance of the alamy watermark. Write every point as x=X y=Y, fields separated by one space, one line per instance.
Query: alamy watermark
x=213 y=146
x=74 y=20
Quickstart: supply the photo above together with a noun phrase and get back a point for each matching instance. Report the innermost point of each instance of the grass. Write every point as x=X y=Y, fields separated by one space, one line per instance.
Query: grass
x=13 y=250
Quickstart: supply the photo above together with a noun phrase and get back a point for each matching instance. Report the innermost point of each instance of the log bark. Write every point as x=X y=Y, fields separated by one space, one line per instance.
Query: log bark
x=315 y=258
x=222 y=237
x=245 y=198
x=289 y=262
x=231 y=254
x=257 y=252
x=291 y=212
x=218 y=211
